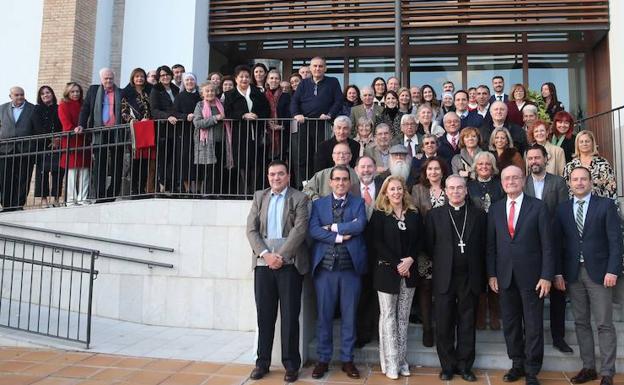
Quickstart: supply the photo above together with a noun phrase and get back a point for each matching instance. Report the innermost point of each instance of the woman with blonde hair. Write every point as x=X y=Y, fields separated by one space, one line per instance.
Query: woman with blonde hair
x=396 y=228
x=586 y=155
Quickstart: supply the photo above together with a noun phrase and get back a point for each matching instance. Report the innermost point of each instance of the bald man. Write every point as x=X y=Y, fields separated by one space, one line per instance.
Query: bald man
x=520 y=266
x=102 y=108
x=15 y=171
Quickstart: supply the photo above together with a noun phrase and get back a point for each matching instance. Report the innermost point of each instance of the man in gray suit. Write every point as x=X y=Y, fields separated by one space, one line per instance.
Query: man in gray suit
x=368 y=109
x=15 y=122
x=552 y=190
x=276 y=229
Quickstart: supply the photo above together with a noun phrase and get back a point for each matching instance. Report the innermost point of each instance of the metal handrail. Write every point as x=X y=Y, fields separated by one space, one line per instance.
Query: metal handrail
x=59 y=233
x=580 y=121
x=147 y=262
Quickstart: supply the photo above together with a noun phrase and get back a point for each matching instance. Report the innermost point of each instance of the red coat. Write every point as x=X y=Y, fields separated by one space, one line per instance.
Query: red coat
x=80 y=157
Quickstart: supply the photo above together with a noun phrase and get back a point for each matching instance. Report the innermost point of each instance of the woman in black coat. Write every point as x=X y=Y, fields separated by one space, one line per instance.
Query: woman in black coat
x=161 y=102
x=45 y=122
x=184 y=108
x=396 y=229
x=248 y=108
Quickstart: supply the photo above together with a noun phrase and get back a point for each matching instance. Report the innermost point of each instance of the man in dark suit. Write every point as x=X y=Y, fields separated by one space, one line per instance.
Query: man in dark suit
x=498 y=86
x=448 y=144
x=520 y=265
x=277 y=227
x=497 y=119
x=589 y=264
x=456 y=240
x=337 y=224
x=342 y=129
x=468 y=118
x=102 y=108
x=319 y=98
x=409 y=138
x=16 y=120
x=368 y=306
x=552 y=190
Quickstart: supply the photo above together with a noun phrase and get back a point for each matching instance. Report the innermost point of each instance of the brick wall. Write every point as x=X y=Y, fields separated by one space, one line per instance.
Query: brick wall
x=67 y=41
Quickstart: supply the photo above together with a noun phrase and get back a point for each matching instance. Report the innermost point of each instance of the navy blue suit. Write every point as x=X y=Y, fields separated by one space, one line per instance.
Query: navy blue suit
x=472 y=119
x=601 y=242
x=519 y=263
x=337 y=286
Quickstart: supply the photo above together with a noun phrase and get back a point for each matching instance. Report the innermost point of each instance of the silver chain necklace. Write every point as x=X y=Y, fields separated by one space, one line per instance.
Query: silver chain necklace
x=461 y=243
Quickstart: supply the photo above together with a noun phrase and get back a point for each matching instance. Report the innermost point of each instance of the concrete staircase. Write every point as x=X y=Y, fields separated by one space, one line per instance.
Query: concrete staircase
x=491 y=350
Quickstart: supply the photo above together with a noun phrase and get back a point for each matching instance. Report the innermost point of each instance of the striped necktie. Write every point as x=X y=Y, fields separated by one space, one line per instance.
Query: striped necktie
x=579 y=217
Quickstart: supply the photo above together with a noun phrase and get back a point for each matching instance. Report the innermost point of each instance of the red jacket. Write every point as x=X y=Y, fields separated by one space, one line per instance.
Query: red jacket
x=73 y=145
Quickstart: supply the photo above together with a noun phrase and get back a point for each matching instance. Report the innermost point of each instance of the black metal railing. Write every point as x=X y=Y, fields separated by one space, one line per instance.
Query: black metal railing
x=607 y=127
x=154 y=158
x=46 y=288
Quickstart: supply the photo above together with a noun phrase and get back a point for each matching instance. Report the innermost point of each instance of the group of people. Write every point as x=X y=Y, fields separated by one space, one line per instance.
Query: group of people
x=474 y=214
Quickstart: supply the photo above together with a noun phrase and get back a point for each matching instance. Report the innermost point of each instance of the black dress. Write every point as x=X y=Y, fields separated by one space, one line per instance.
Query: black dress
x=483 y=194
x=45 y=122
x=184 y=168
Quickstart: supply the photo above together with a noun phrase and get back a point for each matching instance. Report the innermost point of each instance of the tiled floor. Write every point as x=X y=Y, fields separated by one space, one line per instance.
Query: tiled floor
x=29 y=366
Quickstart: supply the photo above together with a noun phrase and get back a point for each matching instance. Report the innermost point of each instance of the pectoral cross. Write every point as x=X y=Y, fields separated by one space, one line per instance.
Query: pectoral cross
x=461 y=245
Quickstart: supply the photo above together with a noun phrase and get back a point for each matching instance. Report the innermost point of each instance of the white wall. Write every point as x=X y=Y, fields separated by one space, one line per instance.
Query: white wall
x=616 y=47
x=211 y=284
x=20 y=44
x=174 y=32
x=102 y=47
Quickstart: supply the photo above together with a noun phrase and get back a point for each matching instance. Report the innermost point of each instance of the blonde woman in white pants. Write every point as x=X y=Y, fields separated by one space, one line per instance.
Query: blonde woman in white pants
x=395 y=227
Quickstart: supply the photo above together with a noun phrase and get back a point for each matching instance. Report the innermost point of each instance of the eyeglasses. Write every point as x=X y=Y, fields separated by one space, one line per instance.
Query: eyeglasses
x=341 y=153
x=163 y=75
x=336 y=179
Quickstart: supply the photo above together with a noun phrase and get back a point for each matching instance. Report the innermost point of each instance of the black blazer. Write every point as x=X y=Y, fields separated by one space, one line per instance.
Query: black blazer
x=601 y=242
x=323 y=157
x=235 y=104
x=518 y=135
x=529 y=255
x=555 y=191
x=446 y=151
x=386 y=251
x=160 y=102
x=440 y=247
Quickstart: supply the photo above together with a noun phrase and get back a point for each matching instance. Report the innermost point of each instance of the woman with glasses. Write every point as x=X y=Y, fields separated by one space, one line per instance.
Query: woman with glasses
x=380 y=89
x=161 y=102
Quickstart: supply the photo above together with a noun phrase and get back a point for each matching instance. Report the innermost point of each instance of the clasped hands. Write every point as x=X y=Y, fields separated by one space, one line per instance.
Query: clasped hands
x=273 y=260
x=404 y=267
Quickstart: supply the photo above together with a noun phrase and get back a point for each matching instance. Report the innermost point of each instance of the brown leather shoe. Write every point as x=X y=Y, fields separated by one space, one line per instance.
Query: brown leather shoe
x=350 y=369
x=585 y=375
x=320 y=369
x=606 y=380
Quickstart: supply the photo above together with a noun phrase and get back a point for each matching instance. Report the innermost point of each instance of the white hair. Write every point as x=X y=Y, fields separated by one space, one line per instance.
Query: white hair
x=407 y=117
x=343 y=119
x=104 y=70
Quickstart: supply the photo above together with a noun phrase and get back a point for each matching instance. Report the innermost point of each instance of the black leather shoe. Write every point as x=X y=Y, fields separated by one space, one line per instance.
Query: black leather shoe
x=606 y=380
x=468 y=375
x=258 y=373
x=291 y=376
x=446 y=375
x=563 y=347
x=350 y=369
x=585 y=375
x=532 y=380
x=320 y=369
x=513 y=374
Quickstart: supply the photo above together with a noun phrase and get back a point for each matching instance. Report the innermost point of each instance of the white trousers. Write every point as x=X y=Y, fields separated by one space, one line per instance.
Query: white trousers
x=394 y=310
x=77 y=185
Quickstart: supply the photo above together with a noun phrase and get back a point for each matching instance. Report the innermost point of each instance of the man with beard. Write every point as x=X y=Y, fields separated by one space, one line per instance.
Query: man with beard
x=456 y=237
x=400 y=165
x=380 y=151
x=552 y=190
x=318 y=186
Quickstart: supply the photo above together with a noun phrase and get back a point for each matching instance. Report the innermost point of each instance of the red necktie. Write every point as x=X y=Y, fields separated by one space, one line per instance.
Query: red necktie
x=454 y=142
x=510 y=220
x=367 y=197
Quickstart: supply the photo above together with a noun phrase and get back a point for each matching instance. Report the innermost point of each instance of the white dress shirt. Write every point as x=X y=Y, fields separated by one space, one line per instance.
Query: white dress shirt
x=538 y=186
x=371 y=189
x=413 y=144
x=575 y=206
x=17 y=111
x=518 y=201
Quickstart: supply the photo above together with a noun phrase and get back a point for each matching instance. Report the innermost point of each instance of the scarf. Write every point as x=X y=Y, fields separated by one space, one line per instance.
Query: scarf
x=204 y=133
x=275 y=136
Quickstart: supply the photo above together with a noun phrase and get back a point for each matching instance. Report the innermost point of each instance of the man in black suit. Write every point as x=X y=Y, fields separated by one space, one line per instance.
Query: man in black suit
x=498 y=119
x=520 y=265
x=368 y=306
x=456 y=240
x=552 y=190
x=448 y=144
x=102 y=108
x=16 y=120
x=498 y=85
x=467 y=118
x=589 y=263
x=323 y=156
